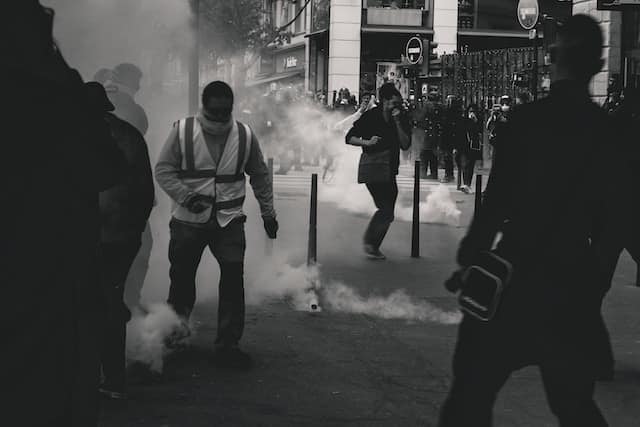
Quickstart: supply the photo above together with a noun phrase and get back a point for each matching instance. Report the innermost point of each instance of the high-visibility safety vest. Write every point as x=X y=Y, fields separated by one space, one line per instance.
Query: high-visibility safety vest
x=224 y=182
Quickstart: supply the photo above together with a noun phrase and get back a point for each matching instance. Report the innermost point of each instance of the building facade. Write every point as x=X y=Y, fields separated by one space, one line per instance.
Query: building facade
x=359 y=44
x=621 y=51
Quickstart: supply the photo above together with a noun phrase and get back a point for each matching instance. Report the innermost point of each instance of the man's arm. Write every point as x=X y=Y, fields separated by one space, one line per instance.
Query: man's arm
x=354 y=136
x=403 y=137
x=260 y=179
x=168 y=166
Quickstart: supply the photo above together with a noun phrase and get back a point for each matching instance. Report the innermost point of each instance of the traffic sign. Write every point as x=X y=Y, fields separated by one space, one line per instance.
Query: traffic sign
x=528 y=13
x=413 y=50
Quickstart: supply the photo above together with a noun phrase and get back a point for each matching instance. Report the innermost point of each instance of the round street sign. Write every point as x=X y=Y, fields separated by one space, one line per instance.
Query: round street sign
x=528 y=13
x=413 y=50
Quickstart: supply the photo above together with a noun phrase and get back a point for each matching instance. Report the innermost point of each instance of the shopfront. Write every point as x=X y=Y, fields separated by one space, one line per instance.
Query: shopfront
x=282 y=69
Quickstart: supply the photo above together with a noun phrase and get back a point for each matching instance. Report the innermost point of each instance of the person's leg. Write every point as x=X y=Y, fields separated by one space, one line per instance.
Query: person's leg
x=480 y=369
x=185 y=251
x=228 y=247
x=448 y=164
x=138 y=272
x=569 y=390
x=384 y=195
x=116 y=261
x=468 y=167
x=433 y=164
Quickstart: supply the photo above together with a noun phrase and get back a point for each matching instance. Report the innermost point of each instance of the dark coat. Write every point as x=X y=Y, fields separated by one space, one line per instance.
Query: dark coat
x=125 y=208
x=559 y=222
x=59 y=156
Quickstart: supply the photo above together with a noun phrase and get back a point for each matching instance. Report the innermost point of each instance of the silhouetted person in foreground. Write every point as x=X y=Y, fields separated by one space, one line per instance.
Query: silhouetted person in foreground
x=58 y=156
x=556 y=238
x=124 y=210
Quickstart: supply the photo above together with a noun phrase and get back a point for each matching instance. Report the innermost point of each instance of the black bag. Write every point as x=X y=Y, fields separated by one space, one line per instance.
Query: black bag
x=374 y=167
x=482 y=284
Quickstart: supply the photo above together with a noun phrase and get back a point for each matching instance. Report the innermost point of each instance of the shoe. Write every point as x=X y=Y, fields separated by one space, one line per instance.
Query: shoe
x=111 y=393
x=465 y=189
x=232 y=357
x=179 y=336
x=373 y=253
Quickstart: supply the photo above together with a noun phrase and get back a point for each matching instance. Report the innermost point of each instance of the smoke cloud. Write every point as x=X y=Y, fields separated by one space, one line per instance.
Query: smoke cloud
x=147 y=334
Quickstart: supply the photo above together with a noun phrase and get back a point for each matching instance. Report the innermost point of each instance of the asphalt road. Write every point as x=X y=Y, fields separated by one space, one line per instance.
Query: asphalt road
x=335 y=369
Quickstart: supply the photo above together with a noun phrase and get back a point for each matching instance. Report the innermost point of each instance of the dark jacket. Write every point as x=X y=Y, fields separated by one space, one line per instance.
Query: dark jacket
x=59 y=156
x=372 y=123
x=130 y=111
x=559 y=220
x=125 y=208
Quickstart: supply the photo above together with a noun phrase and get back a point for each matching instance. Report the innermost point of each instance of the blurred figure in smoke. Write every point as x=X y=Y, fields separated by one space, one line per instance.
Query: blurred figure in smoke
x=469 y=147
x=549 y=314
x=122 y=84
x=124 y=211
x=122 y=90
x=498 y=118
x=60 y=155
x=381 y=132
x=454 y=138
x=202 y=167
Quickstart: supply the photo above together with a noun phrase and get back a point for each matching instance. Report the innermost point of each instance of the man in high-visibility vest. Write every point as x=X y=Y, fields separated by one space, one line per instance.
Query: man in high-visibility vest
x=202 y=167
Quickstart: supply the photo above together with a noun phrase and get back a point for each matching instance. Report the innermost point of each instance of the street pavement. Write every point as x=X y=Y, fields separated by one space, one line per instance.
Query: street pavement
x=336 y=369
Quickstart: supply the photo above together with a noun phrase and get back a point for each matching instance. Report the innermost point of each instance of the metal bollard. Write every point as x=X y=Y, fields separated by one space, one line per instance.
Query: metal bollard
x=478 y=198
x=268 y=248
x=270 y=165
x=415 y=226
x=312 y=255
x=638 y=275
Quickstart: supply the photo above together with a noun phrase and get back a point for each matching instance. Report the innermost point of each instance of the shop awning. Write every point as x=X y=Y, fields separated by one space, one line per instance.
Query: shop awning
x=493 y=33
x=275 y=78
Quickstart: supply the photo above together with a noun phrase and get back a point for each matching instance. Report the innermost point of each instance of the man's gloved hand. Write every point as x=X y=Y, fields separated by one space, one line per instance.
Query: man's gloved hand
x=271 y=226
x=198 y=203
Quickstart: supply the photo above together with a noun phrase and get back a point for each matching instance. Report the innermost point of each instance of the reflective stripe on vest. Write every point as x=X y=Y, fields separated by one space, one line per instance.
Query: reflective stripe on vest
x=228 y=174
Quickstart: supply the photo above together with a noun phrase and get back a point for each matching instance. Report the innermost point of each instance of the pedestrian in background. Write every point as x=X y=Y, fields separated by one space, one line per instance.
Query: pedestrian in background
x=469 y=147
x=549 y=313
x=124 y=211
x=381 y=132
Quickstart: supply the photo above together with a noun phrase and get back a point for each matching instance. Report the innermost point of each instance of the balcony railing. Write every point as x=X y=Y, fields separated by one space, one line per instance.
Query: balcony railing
x=404 y=13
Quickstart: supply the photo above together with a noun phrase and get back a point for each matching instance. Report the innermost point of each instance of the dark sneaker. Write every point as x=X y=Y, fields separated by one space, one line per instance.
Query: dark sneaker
x=179 y=336
x=373 y=253
x=112 y=393
x=232 y=357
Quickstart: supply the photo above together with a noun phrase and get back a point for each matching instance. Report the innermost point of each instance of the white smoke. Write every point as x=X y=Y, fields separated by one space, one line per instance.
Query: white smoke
x=398 y=305
x=439 y=208
x=303 y=286
x=147 y=335
x=276 y=279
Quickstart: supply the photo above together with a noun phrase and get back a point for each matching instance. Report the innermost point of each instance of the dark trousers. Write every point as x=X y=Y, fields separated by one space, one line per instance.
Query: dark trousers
x=227 y=245
x=138 y=271
x=447 y=156
x=384 y=196
x=429 y=161
x=115 y=261
x=482 y=366
x=466 y=163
